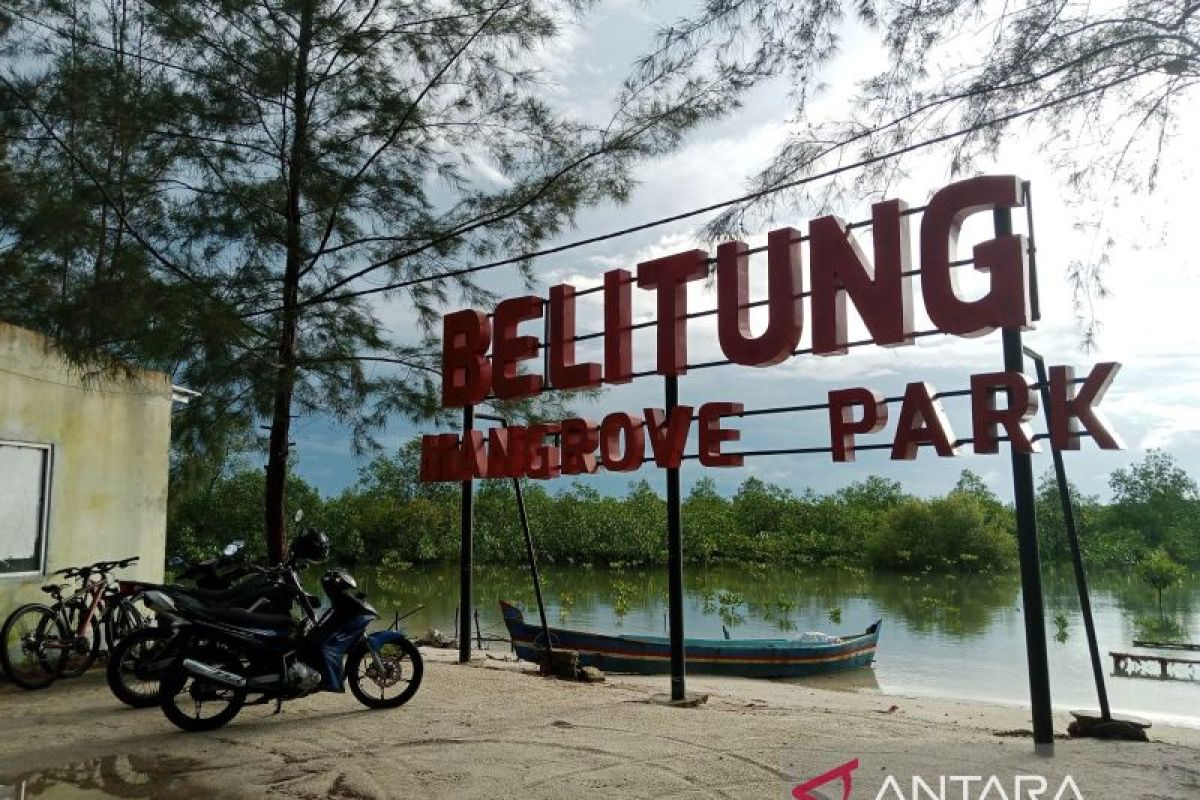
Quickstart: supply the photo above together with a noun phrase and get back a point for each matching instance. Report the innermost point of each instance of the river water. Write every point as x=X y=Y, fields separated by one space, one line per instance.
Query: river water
x=942 y=636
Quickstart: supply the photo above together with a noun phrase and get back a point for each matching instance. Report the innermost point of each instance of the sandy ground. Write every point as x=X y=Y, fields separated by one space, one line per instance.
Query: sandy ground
x=492 y=730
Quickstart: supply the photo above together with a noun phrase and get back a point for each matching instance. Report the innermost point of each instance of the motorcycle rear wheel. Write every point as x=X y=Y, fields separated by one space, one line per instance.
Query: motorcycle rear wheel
x=403 y=669
x=182 y=696
x=126 y=671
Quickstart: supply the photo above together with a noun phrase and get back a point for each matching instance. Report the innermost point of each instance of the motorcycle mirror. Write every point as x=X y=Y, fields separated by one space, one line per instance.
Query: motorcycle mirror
x=233 y=548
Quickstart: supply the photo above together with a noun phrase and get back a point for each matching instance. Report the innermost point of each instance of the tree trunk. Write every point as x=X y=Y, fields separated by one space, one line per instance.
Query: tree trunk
x=277 y=457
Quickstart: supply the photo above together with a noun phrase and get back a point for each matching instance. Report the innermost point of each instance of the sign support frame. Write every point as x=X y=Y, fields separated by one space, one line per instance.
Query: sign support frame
x=675 y=562
x=1027 y=547
x=465 y=555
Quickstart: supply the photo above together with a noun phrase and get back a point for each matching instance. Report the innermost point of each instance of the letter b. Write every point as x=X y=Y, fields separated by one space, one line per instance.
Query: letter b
x=466 y=370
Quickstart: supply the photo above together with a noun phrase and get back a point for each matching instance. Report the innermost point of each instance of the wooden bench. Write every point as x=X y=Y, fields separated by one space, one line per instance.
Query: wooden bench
x=1121 y=663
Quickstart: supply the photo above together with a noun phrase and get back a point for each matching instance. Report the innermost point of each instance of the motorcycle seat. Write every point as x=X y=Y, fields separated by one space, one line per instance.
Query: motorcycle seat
x=195 y=593
x=249 y=619
x=211 y=595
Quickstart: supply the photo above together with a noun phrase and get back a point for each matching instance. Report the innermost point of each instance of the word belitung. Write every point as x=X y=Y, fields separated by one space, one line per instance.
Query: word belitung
x=880 y=289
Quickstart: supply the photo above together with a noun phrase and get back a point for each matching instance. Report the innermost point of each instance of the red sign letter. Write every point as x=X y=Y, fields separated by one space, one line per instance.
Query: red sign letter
x=712 y=434
x=842 y=425
x=1022 y=404
x=439 y=451
x=922 y=421
x=670 y=277
x=506 y=452
x=618 y=317
x=611 y=455
x=580 y=438
x=512 y=349
x=785 y=282
x=1067 y=406
x=466 y=371
x=883 y=295
x=668 y=436
x=472 y=457
x=541 y=459
x=1006 y=305
x=564 y=372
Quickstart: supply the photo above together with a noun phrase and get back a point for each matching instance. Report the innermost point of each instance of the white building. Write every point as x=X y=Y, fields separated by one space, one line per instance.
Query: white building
x=83 y=468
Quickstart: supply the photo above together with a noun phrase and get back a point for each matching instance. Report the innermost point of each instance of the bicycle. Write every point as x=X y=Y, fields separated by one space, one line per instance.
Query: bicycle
x=40 y=643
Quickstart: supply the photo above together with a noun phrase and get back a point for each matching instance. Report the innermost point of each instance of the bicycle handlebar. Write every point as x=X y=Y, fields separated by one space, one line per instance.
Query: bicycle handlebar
x=102 y=567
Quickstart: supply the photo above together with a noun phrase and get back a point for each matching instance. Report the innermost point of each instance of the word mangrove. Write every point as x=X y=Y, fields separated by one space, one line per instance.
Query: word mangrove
x=618 y=442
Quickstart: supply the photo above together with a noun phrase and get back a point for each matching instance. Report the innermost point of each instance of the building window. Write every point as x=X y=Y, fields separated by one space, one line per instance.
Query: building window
x=24 y=505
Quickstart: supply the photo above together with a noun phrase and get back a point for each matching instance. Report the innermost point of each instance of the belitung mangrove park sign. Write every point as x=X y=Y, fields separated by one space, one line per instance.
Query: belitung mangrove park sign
x=880 y=289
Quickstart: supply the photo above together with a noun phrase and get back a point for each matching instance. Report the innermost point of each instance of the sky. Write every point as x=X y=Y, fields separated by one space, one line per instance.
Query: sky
x=1147 y=318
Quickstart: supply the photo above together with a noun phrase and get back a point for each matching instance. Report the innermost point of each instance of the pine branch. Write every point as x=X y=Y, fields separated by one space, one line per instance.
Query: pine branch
x=396 y=131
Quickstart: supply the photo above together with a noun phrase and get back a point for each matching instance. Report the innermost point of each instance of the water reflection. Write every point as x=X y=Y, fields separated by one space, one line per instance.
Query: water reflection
x=952 y=636
x=134 y=776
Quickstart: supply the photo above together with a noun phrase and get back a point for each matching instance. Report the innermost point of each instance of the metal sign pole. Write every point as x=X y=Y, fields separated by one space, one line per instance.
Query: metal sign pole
x=1064 y=496
x=1027 y=548
x=675 y=561
x=465 y=600
x=530 y=554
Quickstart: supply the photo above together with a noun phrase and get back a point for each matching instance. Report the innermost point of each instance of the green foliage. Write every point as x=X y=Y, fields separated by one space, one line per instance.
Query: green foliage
x=389 y=516
x=202 y=523
x=1159 y=500
x=1158 y=629
x=729 y=608
x=1060 y=628
x=962 y=531
x=1160 y=572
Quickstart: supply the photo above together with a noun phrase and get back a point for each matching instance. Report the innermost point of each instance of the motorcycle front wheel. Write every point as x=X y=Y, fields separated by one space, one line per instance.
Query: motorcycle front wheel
x=199 y=704
x=390 y=682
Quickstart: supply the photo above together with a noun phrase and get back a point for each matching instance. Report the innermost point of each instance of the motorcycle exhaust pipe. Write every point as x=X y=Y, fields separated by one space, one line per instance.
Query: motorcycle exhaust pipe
x=215 y=675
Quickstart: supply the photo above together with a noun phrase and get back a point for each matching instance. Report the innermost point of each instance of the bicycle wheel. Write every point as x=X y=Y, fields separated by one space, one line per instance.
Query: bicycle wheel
x=124 y=619
x=85 y=644
x=34 y=645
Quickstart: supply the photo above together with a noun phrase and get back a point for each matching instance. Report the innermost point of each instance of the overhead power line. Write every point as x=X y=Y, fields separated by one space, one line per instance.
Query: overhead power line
x=875 y=159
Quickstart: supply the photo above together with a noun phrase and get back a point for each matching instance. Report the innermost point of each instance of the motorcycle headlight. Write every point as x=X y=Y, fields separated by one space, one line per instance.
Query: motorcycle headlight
x=159 y=602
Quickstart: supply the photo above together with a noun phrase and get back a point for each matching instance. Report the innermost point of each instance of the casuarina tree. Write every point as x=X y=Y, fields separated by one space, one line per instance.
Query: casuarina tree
x=297 y=157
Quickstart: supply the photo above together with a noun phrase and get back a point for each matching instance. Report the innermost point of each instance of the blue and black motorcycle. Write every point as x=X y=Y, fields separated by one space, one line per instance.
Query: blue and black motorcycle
x=221 y=657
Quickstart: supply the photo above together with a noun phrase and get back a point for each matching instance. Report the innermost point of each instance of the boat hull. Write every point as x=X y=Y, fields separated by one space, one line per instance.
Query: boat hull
x=651 y=655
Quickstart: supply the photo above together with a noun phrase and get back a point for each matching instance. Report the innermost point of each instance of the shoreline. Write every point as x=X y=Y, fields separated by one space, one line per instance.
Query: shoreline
x=494 y=728
x=793 y=693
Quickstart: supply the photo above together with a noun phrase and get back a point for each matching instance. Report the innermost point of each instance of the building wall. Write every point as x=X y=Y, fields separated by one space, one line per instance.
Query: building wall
x=110 y=438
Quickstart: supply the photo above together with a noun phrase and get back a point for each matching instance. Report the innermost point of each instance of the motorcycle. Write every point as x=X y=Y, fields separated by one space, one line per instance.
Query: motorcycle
x=136 y=663
x=219 y=657
x=219 y=572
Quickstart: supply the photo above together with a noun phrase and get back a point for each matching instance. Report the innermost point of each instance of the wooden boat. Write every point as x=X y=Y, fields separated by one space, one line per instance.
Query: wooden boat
x=648 y=655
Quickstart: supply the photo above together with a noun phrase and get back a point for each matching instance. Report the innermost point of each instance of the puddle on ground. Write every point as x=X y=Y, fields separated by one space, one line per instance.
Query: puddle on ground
x=136 y=776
